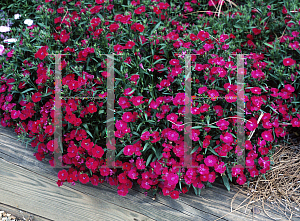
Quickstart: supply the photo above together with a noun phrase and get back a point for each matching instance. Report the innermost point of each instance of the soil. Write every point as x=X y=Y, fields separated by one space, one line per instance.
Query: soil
x=4 y=216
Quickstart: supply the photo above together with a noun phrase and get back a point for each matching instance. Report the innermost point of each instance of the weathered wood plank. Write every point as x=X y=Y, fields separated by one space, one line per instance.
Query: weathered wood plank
x=208 y=202
x=36 y=194
x=10 y=150
x=217 y=200
x=9 y=132
x=134 y=201
x=211 y=205
x=16 y=152
x=24 y=158
x=165 y=207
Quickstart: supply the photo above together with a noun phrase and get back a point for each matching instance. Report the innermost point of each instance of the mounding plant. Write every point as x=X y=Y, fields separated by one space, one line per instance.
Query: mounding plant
x=150 y=41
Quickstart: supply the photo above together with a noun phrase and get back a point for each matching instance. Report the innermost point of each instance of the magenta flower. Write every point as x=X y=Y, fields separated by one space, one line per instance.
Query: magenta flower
x=213 y=94
x=211 y=177
x=248 y=145
x=204 y=108
x=174 y=194
x=129 y=150
x=257 y=74
x=201 y=90
x=173 y=135
x=295 y=122
x=227 y=138
x=141 y=65
x=174 y=62
x=237 y=170
x=87 y=144
x=251 y=124
x=241 y=179
x=288 y=62
x=220 y=167
x=203 y=35
x=123 y=102
x=121 y=125
x=15 y=114
x=138 y=100
x=128 y=92
x=133 y=174
x=289 y=88
x=203 y=169
x=172 y=178
x=172 y=117
x=127 y=117
x=195 y=134
x=211 y=160
x=267 y=135
x=180 y=99
x=222 y=124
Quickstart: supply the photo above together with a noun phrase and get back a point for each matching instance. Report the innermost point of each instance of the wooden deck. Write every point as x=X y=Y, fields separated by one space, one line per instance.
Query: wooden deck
x=29 y=187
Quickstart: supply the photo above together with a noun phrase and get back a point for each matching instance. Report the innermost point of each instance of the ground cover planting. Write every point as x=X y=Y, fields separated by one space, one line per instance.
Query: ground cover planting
x=150 y=41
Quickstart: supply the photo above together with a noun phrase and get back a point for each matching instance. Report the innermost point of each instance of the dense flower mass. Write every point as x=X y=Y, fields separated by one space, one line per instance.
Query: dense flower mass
x=41 y=53
x=150 y=48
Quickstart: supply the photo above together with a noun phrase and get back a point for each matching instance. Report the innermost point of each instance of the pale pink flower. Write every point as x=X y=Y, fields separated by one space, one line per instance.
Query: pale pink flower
x=11 y=40
x=4 y=29
x=1 y=49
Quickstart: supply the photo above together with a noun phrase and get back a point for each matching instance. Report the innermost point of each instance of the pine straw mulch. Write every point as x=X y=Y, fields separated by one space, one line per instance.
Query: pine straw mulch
x=280 y=190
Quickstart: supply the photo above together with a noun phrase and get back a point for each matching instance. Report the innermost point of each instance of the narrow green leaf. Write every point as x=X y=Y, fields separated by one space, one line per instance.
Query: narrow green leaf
x=197 y=127
x=131 y=92
x=226 y=182
x=117 y=156
x=89 y=133
x=164 y=69
x=145 y=147
x=199 y=191
x=156 y=27
x=158 y=61
x=213 y=151
x=135 y=133
x=138 y=128
x=208 y=184
x=97 y=131
x=229 y=174
x=45 y=95
x=194 y=150
x=87 y=130
x=29 y=89
x=149 y=159
x=195 y=189
x=271 y=46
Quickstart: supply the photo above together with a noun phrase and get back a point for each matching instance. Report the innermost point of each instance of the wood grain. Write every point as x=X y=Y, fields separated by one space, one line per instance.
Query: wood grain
x=28 y=191
x=134 y=200
x=35 y=181
x=208 y=202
